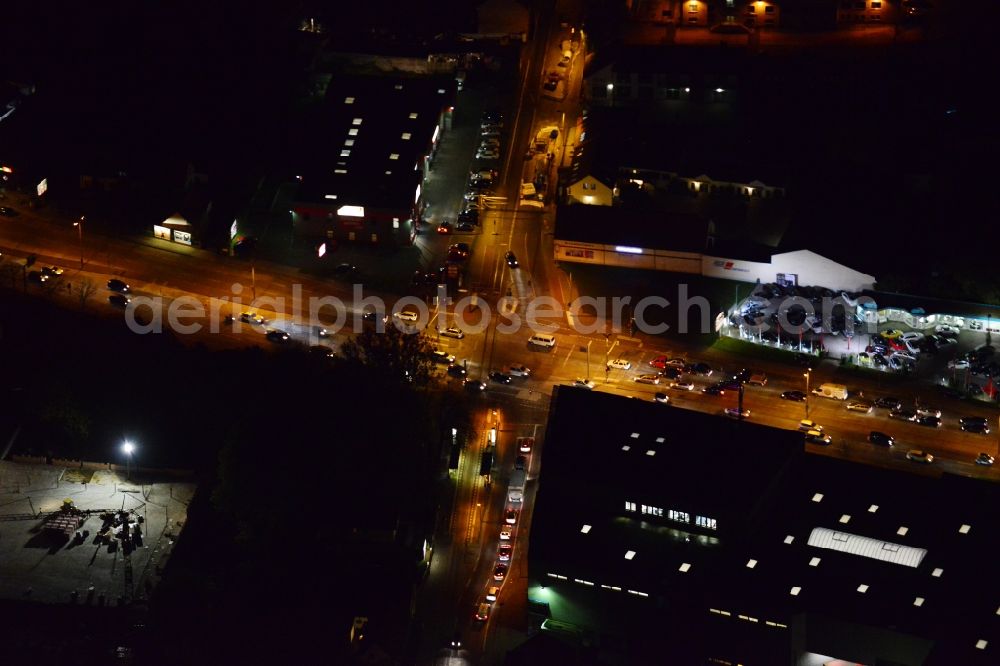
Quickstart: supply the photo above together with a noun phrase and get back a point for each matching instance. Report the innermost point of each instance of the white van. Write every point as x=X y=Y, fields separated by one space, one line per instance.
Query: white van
x=835 y=391
x=542 y=340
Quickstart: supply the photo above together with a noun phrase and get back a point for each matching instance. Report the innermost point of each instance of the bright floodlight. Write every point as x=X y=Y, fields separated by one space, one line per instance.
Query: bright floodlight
x=128 y=447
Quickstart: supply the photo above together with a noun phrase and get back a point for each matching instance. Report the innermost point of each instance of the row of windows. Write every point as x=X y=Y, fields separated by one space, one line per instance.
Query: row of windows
x=672 y=514
x=851 y=4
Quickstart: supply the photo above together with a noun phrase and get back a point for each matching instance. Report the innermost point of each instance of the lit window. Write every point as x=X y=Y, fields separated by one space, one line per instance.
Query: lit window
x=964 y=529
x=789 y=539
x=340 y=170
x=413 y=116
x=981 y=644
x=406 y=136
x=356 y=121
x=685 y=567
x=937 y=572
x=630 y=506
x=441 y=91
x=629 y=554
x=585 y=529
x=349 y=142
x=814 y=562
x=398 y=86
x=751 y=564
x=635 y=435
x=862 y=588
x=329 y=196
x=348 y=100
x=395 y=223
x=845 y=518
x=393 y=156
x=679 y=516
x=902 y=531
x=388 y=173
x=693 y=7
x=626 y=447
x=650 y=452
x=707 y=523
x=345 y=153
x=919 y=601
x=352 y=132
x=795 y=591
x=660 y=440
x=818 y=497
x=873 y=508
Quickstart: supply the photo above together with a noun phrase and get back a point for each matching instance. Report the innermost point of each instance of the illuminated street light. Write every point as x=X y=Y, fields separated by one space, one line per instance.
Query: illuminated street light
x=79 y=233
x=128 y=448
x=806 y=375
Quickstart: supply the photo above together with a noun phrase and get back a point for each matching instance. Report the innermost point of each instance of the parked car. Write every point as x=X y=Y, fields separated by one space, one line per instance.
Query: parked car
x=889 y=402
x=519 y=371
x=818 y=437
x=806 y=425
x=584 y=383
x=903 y=415
x=439 y=356
x=620 y=364
x=702 y=369
x=647 y=379
x=795 y=396
x=119 y=300
x=465 y=226
x=251 y=318
x=452 y=332
x=975 y=427
x=682 y=385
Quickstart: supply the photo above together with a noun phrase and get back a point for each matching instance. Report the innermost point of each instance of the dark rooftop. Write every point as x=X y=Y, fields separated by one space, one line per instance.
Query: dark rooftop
x=363 y=143
x=888 y=550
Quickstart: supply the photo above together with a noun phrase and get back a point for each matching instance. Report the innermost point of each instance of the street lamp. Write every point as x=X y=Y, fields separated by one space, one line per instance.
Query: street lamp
x=79 y=234
x=128 y=448
x=806 y=375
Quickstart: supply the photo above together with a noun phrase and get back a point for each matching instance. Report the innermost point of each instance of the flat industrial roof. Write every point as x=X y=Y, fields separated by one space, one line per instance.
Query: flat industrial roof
x=887 y=549
x=363 y=143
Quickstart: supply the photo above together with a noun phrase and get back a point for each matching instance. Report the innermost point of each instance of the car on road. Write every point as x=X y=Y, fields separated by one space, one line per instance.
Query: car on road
x=444 y=228
x=487 y=154
x=620 y=364
x=729 y=384
x=818 y=437
x=519 y=371
x=658 y=362
x=930 y=420
x=670 y=373
x=452 y=332
x=647 y=379
x=795 y=396
x=114 y=284
x=52 y=271
x=119 y=300
x=807 y=424
x=456 y=370
x=482 y=612
x=525 y=444
x=441 y=356
x=928 y=411
x=911 y=335
x=702 y=369
x=903 y=415
x=889 y=402
x=37 y=277
x=973 y=420
x=713 y=390
x=510 y=517
x=736 y=413
x=946 y=329
x=511 y=259
x=8 y=212
x=661 y=398
x=917 y=455
x=275 y=335
x=499 y=572
x=505 y=533
x=251 y=318
x=474 y=386
x=862 y=406
x=880 y=438
x=520 y=462
x=504 y=552
x=891 y=334
x=682 y=385
x=345 y=269
x=984 y=459
x=406 y=315
x=584 y=383
x=322 y=351
x=500 y=378
x=958 y=364
x=492 y=593
x=465 y=226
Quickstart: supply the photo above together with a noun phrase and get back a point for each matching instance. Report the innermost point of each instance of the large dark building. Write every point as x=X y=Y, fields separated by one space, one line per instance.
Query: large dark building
x=364 y=155
x=670 y=536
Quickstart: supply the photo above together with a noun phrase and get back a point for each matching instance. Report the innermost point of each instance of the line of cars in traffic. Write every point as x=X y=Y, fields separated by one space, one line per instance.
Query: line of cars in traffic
x=508 y=534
